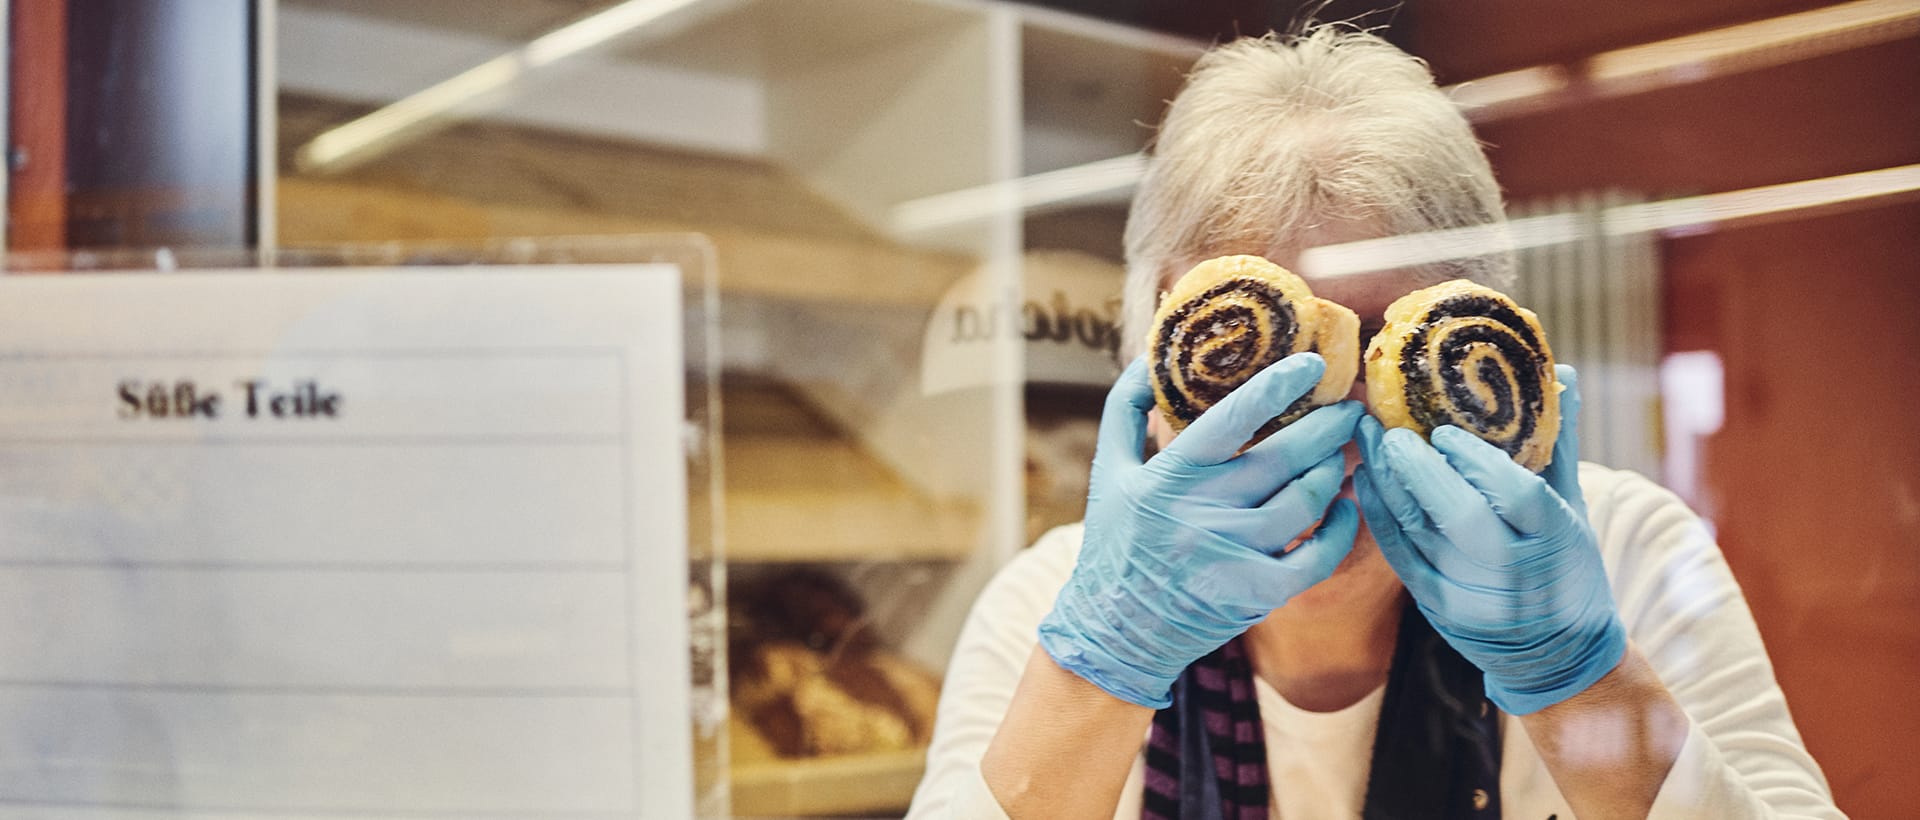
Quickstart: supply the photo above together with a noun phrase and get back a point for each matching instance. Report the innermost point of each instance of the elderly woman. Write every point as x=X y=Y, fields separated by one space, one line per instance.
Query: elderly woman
x=1393 y=665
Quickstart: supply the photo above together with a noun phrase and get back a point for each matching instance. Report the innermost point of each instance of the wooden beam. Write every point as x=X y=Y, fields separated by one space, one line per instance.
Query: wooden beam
x=1465 y=41
x=37 y=114
x=752 y=261
x=1836 y=114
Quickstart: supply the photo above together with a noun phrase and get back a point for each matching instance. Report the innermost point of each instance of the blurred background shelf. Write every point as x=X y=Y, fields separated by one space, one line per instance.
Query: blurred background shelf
x=862 y=784
x=867 y=438
x=775 y=236
x=799 y=489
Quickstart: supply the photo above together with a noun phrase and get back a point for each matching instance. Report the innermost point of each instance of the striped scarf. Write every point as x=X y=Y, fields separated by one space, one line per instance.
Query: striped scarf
x=1436 y=752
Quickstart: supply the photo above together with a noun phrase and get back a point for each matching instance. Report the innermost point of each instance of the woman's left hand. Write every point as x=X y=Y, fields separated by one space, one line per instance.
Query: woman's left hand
x=1503 y=562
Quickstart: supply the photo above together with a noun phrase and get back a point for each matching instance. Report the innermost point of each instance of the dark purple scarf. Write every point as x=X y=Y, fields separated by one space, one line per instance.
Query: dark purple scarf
x=1436 y=752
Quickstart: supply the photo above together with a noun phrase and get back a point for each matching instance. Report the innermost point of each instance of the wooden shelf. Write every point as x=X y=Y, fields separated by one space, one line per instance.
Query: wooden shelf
x=798 y=489
x=827 y=785
x=753 y=261
x=828 y=117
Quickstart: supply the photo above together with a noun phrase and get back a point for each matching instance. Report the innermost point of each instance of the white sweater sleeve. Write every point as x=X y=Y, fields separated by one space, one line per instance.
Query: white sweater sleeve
x=1681 y=606
x=1679 y=602
x=988 y=659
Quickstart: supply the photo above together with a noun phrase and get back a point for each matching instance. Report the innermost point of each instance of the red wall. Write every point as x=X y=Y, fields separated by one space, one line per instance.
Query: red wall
x=37 y=108
x=1815 y=476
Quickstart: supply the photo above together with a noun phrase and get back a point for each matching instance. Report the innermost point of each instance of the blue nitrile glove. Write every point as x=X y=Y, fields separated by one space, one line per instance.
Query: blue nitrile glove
x=1184 y=551
x=1502 y=561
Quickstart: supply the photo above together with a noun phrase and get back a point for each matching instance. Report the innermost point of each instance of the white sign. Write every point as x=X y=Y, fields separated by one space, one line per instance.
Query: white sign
x=1068 y=323
x=344 y=545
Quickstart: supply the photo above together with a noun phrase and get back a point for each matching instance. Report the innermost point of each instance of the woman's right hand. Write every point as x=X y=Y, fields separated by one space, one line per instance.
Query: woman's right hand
x=1186 y=550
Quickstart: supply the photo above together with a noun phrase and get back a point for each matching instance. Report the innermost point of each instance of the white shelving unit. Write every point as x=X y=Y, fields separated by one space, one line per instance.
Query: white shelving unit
x=810 y=125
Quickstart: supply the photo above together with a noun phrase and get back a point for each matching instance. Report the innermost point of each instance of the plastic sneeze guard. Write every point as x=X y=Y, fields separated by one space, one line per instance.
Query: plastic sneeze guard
x=395 y=531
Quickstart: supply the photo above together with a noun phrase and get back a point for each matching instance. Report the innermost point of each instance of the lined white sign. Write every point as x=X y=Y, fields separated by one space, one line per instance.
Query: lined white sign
x=343 y=545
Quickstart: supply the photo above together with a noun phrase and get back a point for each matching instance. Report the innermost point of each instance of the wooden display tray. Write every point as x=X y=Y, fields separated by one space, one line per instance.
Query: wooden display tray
x=800 y=489
x=847 y=784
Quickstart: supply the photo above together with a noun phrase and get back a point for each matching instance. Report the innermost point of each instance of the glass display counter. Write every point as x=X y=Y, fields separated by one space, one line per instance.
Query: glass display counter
x=913 y=211
x=879 y=309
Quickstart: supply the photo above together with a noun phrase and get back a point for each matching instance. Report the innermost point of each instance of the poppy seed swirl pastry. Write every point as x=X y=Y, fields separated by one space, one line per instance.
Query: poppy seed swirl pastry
x=1229 y=318
x=1464 y=354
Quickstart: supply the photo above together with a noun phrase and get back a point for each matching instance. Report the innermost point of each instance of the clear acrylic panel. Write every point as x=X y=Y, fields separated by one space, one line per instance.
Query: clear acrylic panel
x=916 y=210
x=402 y=530
x=873 y=453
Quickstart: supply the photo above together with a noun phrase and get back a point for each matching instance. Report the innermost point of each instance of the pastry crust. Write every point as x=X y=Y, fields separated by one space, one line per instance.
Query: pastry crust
x=1230 y=317
x=808 y=677
x=1465 y=354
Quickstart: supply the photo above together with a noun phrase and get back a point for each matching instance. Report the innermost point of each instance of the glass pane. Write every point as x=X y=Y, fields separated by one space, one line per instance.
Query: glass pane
x=283 y=524
x=871 y=477
x=917 y=210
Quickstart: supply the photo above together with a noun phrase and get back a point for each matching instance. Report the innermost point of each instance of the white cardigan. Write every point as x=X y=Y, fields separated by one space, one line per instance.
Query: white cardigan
x=1679 y=603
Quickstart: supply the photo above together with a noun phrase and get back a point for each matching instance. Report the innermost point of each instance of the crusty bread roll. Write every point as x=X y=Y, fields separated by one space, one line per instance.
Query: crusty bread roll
x=808 y=676
x=1230 y=317
x=1464 y=354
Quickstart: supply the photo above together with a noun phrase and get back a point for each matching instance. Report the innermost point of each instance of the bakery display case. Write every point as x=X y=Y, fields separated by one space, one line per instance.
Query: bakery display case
x=913 y=212
x=914 y=338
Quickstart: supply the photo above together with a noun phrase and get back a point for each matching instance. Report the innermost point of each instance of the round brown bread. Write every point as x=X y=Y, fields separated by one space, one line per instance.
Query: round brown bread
x=1229 y=318
x=1465 y=354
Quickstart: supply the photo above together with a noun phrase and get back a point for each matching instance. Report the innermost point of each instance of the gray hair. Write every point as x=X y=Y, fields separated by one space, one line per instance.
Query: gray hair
x=1273 y=136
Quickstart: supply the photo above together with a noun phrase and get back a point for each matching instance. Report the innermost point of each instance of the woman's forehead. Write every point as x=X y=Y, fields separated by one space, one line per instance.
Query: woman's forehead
x=1367 y=294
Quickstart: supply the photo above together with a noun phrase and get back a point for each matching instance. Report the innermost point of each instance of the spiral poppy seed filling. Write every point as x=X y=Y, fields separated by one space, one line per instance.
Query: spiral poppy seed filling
x=1206 y=350
x=1231 y=317
x=1500 y=399
x=1465 y=355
